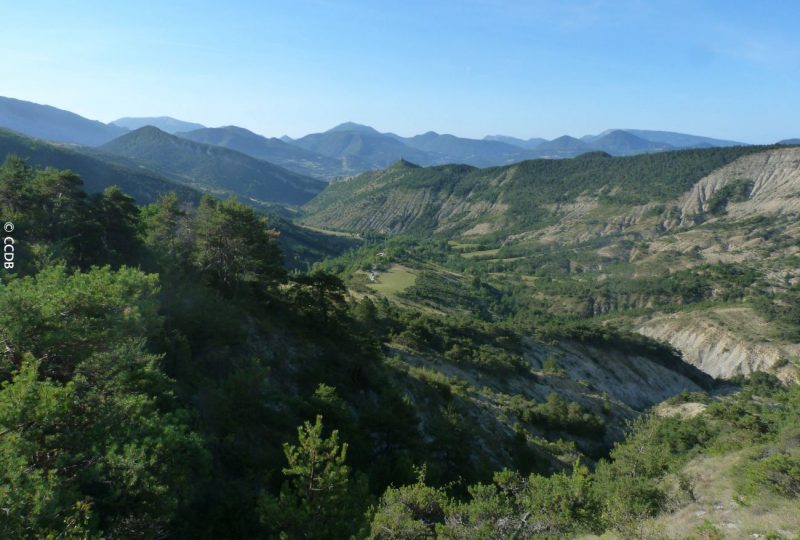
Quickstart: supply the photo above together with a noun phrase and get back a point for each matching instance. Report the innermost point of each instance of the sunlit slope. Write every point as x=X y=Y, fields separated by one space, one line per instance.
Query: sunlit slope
x=697 y=248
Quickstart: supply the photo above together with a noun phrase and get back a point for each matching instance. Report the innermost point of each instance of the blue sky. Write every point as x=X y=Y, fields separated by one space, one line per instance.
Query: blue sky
x=527 y=68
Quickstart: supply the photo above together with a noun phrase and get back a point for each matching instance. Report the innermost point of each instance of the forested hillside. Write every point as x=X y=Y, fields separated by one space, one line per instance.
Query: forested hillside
x=696 y=248
x=164 y=376
x=145 y=186
x=213 y=168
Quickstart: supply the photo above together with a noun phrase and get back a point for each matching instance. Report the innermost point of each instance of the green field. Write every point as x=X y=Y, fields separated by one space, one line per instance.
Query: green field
x=394 y=281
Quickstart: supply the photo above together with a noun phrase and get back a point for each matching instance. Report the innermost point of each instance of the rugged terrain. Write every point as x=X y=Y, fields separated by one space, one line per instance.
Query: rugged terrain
x=716 y=229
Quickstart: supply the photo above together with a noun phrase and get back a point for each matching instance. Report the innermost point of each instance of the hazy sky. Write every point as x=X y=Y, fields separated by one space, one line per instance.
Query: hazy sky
x=527 y=68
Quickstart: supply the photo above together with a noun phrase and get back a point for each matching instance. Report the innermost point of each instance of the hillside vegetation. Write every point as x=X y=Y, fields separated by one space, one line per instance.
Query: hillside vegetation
x=696 y=248
x=125 y=417
x=213 y=168
x=97 y=173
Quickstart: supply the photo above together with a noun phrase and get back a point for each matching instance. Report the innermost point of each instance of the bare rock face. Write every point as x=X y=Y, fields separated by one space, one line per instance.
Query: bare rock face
x=631 y=378
x=775 y=175
x=724 y=342
x=746 y=212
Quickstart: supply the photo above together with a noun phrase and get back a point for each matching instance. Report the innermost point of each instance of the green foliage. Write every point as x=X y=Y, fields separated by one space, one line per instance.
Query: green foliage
x=734 y=191
x=689 y=397
x=91 y=437
x=95 y=169
x=320 y=295
x=778 y=472
x=318 y=500
x=233 y=247
x=167 y=235
x=557 y=415
x=707 y=531
x=550 y=365
x=527 y=187
x=510 y=507
x=62 y=318
x=782 y=310
x=158 y=402
x=61 y=223
x=409 y=512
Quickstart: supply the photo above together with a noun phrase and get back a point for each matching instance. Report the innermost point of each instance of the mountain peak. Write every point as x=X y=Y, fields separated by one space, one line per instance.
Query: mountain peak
x=621 y=142
x=213 y=168
x=164 y=123
x=352 y=126
x=565 y=138
x=148 y=131
x=238 y=130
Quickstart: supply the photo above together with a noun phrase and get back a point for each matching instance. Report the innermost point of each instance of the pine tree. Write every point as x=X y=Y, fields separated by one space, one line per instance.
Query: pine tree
x=318 y=498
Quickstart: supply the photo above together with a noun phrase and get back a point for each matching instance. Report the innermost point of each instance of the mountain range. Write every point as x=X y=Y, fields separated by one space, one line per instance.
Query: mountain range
x=473 y=308
x=274 y=150
x=348 y=148
x=96 y=171
x=213 y=168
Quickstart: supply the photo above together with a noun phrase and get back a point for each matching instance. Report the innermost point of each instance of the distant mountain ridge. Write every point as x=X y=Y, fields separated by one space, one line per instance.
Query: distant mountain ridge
x=349 y=148
x=478 y=153
x=562 y=147
x=52 y=124
x=625 y=143
x=527 y=144
x=213 y=168
x=359 y=148
x=681 y=140
x=164 y=123
x=364 y=148
x=274 y=150
x=96 y=172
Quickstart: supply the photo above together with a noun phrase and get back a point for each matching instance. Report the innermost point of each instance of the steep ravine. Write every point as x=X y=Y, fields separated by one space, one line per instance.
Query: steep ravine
x=616 y=383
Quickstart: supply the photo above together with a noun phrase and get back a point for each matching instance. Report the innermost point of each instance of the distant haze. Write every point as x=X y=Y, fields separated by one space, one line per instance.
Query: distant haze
x=343 y=150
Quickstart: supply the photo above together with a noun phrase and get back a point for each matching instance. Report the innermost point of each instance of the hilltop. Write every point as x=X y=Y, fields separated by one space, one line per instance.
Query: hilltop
x=358 y=148
x=164 y=123
x=213 y=168
x=97 y=173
